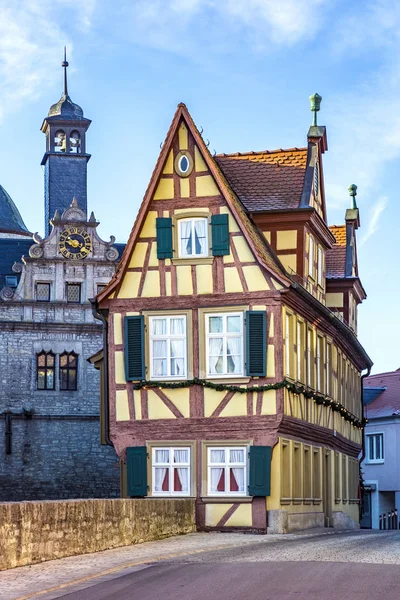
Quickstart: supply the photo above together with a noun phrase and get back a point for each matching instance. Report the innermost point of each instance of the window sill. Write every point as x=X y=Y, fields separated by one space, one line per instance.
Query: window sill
x=375 y=462
x=232 y=380
x=192 y=260
x=225 y=499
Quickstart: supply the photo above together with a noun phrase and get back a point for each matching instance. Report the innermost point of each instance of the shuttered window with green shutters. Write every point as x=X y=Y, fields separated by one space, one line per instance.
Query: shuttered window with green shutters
x=256 y=343
x=134 y=348
x=220 y=235
x=136 y=471
x=260 y=471
x=164 y=237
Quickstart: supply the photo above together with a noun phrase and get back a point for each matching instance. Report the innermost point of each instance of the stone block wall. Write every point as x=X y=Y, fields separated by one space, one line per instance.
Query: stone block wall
x=32 y=532
x=57 y=458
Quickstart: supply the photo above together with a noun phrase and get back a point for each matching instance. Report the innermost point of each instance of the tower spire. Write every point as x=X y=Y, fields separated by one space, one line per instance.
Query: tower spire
x=64 y=64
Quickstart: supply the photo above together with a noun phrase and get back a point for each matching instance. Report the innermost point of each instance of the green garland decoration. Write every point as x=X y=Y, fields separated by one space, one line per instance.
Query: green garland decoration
x=289 y=385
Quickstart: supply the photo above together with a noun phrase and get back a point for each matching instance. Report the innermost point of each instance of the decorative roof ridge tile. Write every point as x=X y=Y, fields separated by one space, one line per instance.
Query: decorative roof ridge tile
x=253 y=152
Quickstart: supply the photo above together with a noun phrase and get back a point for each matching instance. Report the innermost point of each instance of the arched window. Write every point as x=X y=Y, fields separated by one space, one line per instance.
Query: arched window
x=68 y=371
x=60 y=141
x=75 y=142
x=45 y=365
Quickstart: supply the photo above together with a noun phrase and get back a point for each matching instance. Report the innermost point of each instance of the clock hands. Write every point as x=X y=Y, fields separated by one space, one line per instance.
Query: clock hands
x=73 y=243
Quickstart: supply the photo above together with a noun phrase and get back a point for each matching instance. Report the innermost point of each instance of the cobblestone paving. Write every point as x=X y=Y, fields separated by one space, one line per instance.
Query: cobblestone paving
x=53 y=579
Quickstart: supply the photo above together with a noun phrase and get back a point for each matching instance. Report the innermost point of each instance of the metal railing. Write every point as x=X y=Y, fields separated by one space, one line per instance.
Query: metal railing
x=389 y=520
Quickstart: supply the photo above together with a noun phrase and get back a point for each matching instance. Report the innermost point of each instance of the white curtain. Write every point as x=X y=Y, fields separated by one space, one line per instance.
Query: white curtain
x=215 y=324
x=186 y=238
x=181 y=456
x=238 y=473
x=162 y=457
x=236 y=456
x=177 y=357
x=216 y=473
x=234 y=354
x=159 y=358
x=177 y=327
x=215 y=353
x=159 y=326
x=200 y=237
x=183 y=474
x=160 y=473
x=217 y=456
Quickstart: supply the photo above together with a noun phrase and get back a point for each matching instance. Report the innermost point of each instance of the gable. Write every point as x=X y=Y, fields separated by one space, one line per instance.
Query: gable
x=200 y=191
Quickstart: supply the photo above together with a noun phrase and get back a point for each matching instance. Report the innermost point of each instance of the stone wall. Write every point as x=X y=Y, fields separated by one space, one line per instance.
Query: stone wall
x=32 y=532
x=55 y=441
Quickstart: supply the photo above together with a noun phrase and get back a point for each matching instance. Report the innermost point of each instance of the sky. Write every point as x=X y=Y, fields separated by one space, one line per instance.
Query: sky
x=245 y=71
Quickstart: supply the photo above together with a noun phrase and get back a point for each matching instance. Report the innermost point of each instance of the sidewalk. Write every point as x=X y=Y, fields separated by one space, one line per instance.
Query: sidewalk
x=55 y=578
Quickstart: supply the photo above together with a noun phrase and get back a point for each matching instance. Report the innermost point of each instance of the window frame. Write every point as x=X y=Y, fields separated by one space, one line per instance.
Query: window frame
x=375 y=461
x=311 y=252
x=320 y=266
x=152 y=337
x=46 y=368
x=193 y=219
x=43 y=283
x=224 y=335
x=170 y=467
x=73 y=284
x=68 y=369
x=227 y=465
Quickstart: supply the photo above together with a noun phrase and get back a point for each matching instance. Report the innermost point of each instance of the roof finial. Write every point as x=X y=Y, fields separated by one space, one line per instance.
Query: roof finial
x=315 y=104
x=353 y=193
x=64 y=64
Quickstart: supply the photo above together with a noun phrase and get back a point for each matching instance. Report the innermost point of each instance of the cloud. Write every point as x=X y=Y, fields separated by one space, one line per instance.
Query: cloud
x=374 y=218
x=186 y=25
x=32 y=36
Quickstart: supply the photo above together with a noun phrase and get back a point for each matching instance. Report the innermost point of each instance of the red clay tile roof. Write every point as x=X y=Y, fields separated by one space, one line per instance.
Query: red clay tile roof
x=266 y=180
x=339 y=231
x=388 y=402
x=335 y=257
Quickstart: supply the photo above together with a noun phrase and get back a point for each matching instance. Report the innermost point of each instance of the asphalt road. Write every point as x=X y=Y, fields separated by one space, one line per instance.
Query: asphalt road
x=340 y=566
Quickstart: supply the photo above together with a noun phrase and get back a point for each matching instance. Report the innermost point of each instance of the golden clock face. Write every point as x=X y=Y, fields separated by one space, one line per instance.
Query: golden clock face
x=74 y=243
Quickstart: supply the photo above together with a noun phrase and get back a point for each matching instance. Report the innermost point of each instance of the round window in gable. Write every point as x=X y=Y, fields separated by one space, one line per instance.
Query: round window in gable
x=184 y=164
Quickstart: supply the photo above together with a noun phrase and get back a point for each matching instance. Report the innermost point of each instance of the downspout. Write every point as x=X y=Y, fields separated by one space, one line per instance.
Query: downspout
x=106 y=413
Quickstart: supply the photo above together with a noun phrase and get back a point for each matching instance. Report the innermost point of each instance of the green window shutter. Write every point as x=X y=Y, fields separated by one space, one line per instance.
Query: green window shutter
x=164 y=237
x=220 y=235
x=260 y=471
x=256 y=343
x=136 y=471
x=134 y=348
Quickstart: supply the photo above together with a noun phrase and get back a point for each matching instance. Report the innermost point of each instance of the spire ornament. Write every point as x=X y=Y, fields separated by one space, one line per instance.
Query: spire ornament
x=64 y=65
x=315 y=105
x=353 y=193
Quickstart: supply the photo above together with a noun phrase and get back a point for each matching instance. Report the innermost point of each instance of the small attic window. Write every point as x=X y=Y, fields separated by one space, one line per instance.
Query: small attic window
x=11 y=281
x=184 y=164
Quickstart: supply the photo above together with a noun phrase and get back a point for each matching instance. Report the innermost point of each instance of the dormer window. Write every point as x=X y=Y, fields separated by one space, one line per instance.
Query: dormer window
x=193 y=237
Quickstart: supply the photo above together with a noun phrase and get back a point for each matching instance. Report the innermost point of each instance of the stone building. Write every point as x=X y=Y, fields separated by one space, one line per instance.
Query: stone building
x=49 y=393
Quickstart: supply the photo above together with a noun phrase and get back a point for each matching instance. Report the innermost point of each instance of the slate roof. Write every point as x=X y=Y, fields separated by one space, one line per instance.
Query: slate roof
x=335 y=258
x=267 y=180
x=387 y=402
x=11 y=251
x=10 y=218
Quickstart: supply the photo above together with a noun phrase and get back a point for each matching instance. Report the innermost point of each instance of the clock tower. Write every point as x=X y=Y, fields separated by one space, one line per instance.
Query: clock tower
x=65 y=160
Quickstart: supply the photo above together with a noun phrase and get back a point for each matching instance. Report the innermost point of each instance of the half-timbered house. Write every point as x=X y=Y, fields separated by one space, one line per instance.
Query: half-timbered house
x=231 y=371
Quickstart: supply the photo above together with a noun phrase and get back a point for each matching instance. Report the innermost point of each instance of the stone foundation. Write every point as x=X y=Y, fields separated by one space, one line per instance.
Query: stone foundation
x=280 y=521
x=342 y=521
